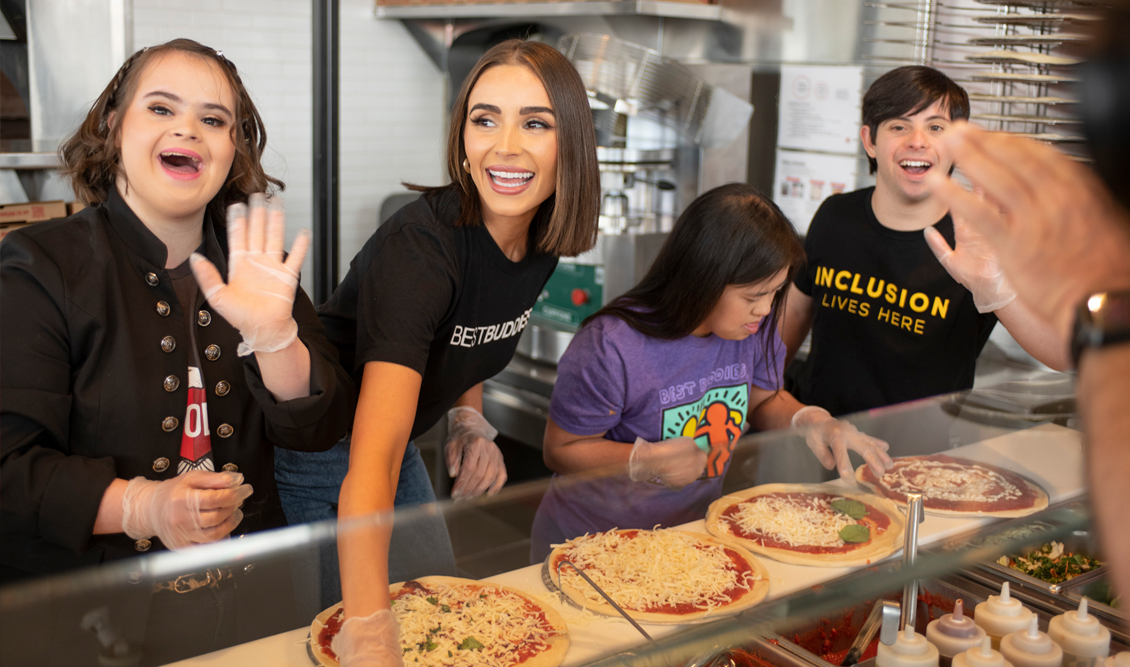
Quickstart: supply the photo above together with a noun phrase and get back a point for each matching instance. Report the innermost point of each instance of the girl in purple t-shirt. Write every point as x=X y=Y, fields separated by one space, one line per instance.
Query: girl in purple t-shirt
x=657 y=386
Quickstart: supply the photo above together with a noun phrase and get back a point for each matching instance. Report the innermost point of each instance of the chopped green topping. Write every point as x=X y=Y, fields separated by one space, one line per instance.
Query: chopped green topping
x=445 y=608
x=855 y=534
x=1052 y=563
x=482 y=596
x=852 y=508
x=449 y=654
x=432 y=600
x=434 y=630
x=471 y=644
x=407 y=649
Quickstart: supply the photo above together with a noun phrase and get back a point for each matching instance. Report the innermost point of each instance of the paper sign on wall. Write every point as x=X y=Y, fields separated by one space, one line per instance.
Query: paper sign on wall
x=803 y=180
x=819 y=108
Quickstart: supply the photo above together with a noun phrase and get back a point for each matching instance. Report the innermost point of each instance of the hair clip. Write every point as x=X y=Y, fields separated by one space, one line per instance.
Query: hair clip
x=219 y=53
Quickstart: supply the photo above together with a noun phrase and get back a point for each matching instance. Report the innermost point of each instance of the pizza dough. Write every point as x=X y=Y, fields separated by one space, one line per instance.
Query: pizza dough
x=660 y=576
x=803 y=513
x=952 y=486
x=458 y=609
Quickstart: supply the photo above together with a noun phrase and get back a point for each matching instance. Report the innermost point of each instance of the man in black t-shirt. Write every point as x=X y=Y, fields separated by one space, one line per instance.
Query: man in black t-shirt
x=895 y=314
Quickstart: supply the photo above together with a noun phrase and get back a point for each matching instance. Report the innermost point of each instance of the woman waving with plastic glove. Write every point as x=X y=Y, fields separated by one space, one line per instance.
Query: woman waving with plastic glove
x=140 y=408
x=661 y=382
x=433 y=305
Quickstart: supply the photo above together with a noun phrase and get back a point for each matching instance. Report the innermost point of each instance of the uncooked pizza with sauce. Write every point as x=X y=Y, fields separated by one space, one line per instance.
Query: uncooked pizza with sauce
x=956 y=486
x=659 y=576
x=820 y=525
x=461 y=623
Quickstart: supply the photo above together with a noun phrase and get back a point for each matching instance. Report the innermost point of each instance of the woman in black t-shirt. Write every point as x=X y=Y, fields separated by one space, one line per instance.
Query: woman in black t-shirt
x=435 y=301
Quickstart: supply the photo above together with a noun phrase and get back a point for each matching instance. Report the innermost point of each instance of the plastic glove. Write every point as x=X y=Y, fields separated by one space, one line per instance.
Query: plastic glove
x=259 y=295
x=974 y=264
x=471 y=455
x=830 y=439
x=371 y=641
x=673 y=463
x=193 y=508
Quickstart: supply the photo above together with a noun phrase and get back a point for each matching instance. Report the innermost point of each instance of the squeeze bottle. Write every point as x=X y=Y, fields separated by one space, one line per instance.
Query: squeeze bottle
x=1031 y=648
x=1085 y=642
x=1000 y=615
x=954 y=633
x=981 y=656
x=909 y=650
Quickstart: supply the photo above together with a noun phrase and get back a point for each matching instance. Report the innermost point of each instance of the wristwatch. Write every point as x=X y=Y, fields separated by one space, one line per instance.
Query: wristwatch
x=1102 y=319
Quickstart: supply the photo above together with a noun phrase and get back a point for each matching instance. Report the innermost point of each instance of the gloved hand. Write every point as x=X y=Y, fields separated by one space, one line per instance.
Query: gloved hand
x=471 y=455
x=830 y=439
x=372 y=641
x=974 y=264
x=194 y=508
x=259 y=295
x=675 y=462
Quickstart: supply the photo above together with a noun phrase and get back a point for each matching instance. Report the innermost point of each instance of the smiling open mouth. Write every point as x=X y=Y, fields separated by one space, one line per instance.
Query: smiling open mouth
x=510 y=179
x=916 y=167
x=179 y=163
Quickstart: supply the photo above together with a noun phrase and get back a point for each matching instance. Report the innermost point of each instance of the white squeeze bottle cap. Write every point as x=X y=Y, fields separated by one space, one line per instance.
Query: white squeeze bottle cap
x=954 y=633
x=1031 y=648
x=981 y=656
x=1001 y=615
x=1119 y=660
x=909 y=650
x=1080 y=635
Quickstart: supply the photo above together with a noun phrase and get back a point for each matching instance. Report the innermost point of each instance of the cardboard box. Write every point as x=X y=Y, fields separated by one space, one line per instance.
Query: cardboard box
x=32 y=212
x=74 y=207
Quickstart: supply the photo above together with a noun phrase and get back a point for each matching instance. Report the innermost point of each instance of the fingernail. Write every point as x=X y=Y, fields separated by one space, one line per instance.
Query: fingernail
x=234 y=478
x=236 y=211
x=276 y=203
x=257 y=200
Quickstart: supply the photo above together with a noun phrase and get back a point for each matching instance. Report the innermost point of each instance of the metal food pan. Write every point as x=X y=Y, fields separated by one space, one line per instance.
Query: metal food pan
x=812 y=640
x=1080 y=542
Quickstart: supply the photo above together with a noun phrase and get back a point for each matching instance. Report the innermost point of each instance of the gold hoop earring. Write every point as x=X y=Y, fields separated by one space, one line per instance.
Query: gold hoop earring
x=466 y=165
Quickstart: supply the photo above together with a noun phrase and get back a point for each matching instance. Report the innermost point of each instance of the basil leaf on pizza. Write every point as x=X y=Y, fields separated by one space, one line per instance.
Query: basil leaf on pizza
x=822 y=525
x=852 y=508
x=471 y=623
x=955 y=486
x=659 y=576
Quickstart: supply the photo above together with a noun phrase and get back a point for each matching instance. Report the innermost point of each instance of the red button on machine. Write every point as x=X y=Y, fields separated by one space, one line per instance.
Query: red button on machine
x=580 y=296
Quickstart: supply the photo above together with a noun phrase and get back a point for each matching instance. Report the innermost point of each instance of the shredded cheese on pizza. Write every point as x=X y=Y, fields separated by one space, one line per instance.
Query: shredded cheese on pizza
x=653 y=570
x=949 y=481
x=468 y=626
x=808 y=521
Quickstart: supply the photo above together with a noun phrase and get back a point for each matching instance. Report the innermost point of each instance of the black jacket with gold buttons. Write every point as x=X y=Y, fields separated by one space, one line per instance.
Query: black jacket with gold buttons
x=93 y=382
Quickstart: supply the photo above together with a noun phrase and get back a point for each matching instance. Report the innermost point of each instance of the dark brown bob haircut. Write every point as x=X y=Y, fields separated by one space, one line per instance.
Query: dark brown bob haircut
x=731 y=235
x=909 y=90
x=567 y=220
x=91 y=157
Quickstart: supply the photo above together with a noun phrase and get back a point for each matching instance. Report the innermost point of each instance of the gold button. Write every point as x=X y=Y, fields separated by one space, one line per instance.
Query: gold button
x=212 y=352
x=169 y=424
x=168 y=344
x=163 y=308
x=203 y=318
x=249 y=567
x=222 y=388
x=225 y=431
x=230 y=467
x=152 y=279
x=142 y=545
x=161 y=464
x=171 y=383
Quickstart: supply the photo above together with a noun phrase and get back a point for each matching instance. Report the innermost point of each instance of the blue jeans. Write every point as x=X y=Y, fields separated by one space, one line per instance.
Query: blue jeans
x=309 y=484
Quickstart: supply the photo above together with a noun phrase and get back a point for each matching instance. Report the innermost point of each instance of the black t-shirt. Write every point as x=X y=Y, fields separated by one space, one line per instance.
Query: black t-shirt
x=890 y=325
x=442 y=300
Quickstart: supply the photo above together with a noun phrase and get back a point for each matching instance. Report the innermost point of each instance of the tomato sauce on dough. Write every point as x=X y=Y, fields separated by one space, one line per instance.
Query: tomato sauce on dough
x=1024 y=497
x=876 y=520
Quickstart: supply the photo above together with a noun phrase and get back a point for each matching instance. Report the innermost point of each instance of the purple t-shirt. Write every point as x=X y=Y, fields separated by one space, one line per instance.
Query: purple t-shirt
x=615 y=380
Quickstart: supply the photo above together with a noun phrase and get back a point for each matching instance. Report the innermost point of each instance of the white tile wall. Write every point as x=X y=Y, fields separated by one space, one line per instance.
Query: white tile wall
x=393 y=122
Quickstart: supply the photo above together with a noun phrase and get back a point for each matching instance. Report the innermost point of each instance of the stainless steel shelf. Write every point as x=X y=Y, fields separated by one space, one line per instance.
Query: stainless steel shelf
x=683 y=10
x=29 y=161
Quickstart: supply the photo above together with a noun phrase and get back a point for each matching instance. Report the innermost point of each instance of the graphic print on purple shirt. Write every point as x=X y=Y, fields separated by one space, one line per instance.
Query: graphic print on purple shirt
x=617 y=381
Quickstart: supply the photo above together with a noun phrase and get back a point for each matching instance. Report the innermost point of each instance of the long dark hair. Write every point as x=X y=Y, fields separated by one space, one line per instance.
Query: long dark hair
x=731 y=235
x=567 y=220
x=91 y=157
